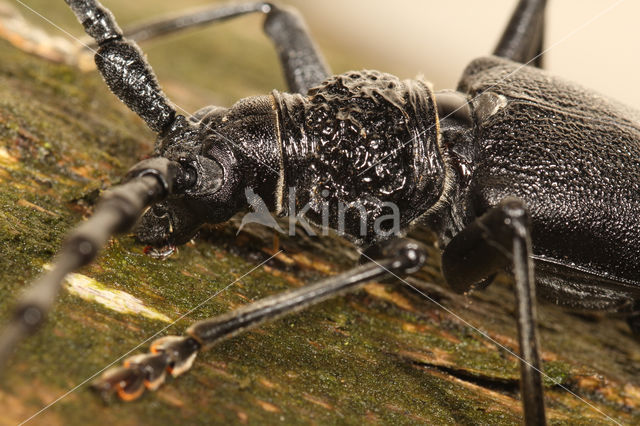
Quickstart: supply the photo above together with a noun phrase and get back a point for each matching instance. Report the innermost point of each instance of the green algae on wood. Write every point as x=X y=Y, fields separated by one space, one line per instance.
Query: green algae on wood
x=385 y=354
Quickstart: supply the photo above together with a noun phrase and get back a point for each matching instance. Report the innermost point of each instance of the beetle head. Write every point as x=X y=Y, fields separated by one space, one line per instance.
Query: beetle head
x=222 y=152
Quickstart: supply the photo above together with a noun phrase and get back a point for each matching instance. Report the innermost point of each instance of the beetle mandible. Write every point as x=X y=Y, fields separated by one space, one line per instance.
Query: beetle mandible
x=512 y=169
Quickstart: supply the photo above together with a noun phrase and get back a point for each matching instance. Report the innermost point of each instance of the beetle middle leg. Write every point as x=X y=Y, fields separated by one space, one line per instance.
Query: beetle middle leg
x=499 y=239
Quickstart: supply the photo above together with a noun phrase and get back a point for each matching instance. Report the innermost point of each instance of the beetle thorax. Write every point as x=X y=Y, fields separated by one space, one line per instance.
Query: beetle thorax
x=362 y=143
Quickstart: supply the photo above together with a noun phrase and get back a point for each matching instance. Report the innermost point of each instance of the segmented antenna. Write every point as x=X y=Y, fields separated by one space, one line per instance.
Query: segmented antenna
x=146 y=183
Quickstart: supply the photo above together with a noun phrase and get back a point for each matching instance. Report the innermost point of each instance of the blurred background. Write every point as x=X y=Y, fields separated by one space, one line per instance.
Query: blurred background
x=594 y=43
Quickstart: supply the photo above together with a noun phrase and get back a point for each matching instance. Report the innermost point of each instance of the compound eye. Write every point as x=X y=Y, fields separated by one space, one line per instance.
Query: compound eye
x=200 y=176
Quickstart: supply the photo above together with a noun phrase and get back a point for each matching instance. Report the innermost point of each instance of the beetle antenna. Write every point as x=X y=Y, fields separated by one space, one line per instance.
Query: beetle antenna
x=147 y=183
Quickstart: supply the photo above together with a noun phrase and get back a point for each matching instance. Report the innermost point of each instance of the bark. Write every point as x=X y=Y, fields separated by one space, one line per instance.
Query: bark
x=386 y=354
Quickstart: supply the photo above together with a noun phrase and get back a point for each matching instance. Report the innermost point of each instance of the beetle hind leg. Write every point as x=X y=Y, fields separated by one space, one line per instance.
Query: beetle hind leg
x=522 y=40
x=497 y=240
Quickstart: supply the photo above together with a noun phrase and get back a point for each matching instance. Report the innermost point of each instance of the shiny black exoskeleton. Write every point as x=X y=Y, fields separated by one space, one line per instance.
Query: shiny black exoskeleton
x=368 y=138
x=515 y=168
x=360 y=139
x=573 y=157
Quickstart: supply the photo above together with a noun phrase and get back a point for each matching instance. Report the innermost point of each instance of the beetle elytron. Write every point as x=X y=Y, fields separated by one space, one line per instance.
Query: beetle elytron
x=515 y=168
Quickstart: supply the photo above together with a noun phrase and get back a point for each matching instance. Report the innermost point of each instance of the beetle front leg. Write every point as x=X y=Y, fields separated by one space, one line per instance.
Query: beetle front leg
x=124 y=67
x=303 y=65
x=176 y=354
x=499 y=239
x=300 y=58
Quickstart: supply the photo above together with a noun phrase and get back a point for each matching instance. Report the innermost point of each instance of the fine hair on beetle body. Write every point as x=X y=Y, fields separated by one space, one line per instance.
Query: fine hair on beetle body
x=513 y=170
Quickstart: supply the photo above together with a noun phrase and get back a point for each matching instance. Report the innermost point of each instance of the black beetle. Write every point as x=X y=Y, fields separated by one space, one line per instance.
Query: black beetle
x=514 y=167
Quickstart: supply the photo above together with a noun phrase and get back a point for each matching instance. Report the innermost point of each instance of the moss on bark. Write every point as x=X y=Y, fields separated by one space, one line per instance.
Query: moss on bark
x=386 y=354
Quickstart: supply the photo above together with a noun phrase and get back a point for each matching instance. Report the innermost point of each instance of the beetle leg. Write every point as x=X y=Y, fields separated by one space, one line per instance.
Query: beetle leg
x=499 y=239
x=523 y=38
x=176 y=354
x=303 y=65
x=123 y=66
x=155 y=28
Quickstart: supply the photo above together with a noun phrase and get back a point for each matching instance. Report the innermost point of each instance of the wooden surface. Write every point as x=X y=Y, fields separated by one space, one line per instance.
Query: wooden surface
x=386 y=354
